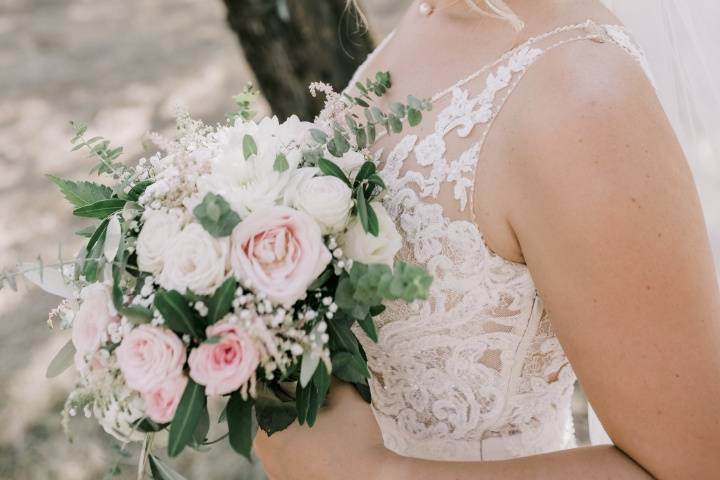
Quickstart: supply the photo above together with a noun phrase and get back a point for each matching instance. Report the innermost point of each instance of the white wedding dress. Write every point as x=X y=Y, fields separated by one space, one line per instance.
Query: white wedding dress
x=475 y=373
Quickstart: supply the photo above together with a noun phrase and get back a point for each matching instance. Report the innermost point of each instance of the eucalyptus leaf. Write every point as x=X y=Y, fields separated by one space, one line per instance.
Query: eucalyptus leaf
x=216 y=216
x=281 y=163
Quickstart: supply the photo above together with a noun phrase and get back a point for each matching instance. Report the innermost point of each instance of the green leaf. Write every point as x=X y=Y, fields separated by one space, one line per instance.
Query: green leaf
x=137 y=314
x=161 y=471
x=308 y=366
x=201 y=430
x=367 y=169
x=220 y=303
x=281 y=163
x=138 y=189
x=341 y=143
x=350 y=368
x=395 y=124
x=216 y=216
x=239 y=418
x=373 y=222
x=398 y=109
x=62 y=360
x=81 y=194
x=94 y=256
x=331 y=168
x=273 y=415
x=100 y=209
x=414 y=117
x=369 y=327
x=318 y=135
x=187 y=416
x=87 y=232
x=249 y=146
x=178 y=315
x=362 y=209
x=341 y=337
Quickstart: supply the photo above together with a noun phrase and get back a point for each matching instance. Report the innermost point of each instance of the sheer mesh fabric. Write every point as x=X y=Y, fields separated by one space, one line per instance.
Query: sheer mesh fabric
x=475 y=372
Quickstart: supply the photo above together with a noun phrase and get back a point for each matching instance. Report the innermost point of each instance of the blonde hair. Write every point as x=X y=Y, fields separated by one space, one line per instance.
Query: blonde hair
x=498 y=9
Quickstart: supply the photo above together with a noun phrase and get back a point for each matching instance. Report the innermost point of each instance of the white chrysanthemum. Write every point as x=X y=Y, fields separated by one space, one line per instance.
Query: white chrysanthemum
x=253 y=183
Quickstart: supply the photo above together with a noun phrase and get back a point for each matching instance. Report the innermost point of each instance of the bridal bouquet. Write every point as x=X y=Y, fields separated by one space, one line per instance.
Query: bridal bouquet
x=234 y=263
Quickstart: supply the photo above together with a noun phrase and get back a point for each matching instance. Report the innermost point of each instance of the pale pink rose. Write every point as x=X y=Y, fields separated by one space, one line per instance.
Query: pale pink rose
x=162 y=401
x=90 y=325
x=280 y=251
x=224 y=366
x=150 y=355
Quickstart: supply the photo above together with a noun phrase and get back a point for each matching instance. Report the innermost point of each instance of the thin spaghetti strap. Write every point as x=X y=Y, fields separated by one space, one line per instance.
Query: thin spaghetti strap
x=511 y=69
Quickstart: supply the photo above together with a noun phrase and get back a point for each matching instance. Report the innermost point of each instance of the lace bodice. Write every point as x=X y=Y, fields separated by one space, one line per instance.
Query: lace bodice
x=476 y=372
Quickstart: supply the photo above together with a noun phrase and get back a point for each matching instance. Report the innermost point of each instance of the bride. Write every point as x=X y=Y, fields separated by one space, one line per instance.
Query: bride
x=550 y=198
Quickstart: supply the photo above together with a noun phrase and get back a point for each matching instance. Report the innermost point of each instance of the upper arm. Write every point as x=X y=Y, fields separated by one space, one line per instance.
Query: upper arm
x=606 y=213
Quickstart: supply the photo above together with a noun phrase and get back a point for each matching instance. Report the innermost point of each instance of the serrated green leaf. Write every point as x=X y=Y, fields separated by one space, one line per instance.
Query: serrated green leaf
x=216 y=216
x=220 y=303
x=186 y=418
x=100 y=209
x=61 y=361
x=177 y=314
x=81 y=194
x=239 y=418
x=249 y=146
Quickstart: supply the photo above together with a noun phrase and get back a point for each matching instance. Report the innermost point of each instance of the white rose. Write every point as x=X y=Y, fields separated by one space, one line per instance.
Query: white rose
x=254 y=183
x=159 y=229
x=195 y=260
x=366 y=248
x=327 y=199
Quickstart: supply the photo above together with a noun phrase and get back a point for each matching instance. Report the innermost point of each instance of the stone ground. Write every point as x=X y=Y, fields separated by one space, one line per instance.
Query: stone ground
x=122 y=67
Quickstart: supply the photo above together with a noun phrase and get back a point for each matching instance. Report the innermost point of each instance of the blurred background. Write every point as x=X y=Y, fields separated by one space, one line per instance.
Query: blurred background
x=123 y=68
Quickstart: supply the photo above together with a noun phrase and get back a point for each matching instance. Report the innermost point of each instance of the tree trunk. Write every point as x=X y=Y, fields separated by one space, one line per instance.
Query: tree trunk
x=291 y=43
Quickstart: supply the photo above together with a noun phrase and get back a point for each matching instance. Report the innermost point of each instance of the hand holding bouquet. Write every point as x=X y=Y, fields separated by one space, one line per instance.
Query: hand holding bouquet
x=234 y=263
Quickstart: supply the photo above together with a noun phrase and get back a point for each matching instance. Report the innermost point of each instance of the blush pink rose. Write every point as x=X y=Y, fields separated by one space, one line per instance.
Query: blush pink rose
x=224 y=366
x=148 y=356
x=96 y=313
x=162 y=402
x=280 y=251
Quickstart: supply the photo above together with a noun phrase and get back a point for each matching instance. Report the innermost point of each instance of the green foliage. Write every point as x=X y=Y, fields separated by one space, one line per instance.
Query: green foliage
x=62 y=360
x=310 y=398
x=188 y=414
x=138 y=189
x=281 y=163
x=349 y=367
x=216 y=216
x=329 y=167
x=82 y=194
x=162 y=471
x=178 y=315
x=99 y=147
x=273 y=414
x=100 y=209
x=243 y=101
x=240 y=424
x=220 y=303
x=249 y=146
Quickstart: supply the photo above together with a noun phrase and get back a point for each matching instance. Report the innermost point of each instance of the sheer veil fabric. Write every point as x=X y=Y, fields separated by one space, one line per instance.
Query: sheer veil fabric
x=681 y=41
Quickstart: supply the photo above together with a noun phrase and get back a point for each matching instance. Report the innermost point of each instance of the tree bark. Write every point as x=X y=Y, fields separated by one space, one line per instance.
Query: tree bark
x=291 y=43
